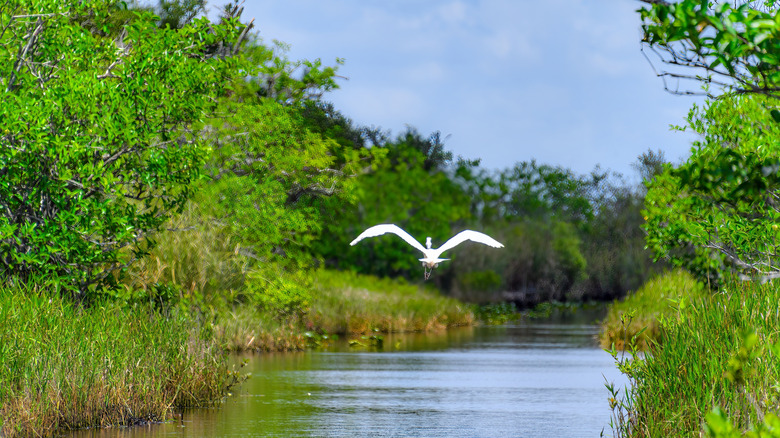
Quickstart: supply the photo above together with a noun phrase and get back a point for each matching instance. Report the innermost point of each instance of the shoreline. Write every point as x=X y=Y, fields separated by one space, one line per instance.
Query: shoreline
x=115 y=363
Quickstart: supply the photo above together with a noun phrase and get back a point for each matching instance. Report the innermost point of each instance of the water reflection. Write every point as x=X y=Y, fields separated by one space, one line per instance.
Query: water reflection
x=540 y=379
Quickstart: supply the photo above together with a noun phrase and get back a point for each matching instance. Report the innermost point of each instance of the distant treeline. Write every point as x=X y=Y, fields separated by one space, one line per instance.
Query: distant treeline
x=567 y=236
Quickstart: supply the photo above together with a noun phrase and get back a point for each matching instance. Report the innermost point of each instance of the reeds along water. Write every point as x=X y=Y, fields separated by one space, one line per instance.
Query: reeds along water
x=689 y=370
x=349 y=303
x=66 y=366
x=640 y=312
x=341 y=303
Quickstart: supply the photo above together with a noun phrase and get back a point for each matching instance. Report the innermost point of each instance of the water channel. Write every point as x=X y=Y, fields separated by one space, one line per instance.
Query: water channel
x=537 y=379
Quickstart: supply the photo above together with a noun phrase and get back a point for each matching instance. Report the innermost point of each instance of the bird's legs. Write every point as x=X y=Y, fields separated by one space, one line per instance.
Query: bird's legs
x=427 y=272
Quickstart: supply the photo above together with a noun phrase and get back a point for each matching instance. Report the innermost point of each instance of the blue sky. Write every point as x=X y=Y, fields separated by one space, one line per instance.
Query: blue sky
x=559 y=81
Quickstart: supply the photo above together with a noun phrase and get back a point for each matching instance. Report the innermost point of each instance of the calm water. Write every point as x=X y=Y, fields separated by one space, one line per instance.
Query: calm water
x=527 y=380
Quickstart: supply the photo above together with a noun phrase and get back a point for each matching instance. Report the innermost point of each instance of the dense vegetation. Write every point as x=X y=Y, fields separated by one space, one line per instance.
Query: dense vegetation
x=241 y=147
x=177 y=188
x=60 y=365
x=166 y=181
x=714 y=358
x=710 y=365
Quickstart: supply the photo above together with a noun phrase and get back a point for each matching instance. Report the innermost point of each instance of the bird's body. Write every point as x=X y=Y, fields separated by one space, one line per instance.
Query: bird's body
x=432 y=255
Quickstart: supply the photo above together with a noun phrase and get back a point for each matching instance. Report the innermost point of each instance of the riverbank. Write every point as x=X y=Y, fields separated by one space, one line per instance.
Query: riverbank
x=711 y=366
x=342 y=304
x=544 y=378
x=636 y=319
x=65 y=366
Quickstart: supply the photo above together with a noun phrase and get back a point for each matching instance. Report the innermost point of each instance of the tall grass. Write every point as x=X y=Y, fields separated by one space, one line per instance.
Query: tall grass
x=246 y=327
x=691 y=368
x=348 y=303
x=639 y=314
x=197 y=255
x=342 y=303
x=63 y=366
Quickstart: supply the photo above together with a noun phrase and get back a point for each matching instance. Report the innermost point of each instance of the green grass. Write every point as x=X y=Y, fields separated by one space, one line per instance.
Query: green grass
x=348 y=303
x=63 y=366
x=200 y=258
x=716 y=351
x=640 y=312
x=248 y=328
x=342 y=303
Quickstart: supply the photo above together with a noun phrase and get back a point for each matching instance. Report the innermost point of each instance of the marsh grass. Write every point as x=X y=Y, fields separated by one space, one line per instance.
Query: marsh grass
x=63 y=366
x=342 y=303
x=347 y=303
x=686 y=373
x=638 y=315
x=248 y=328
x=196 y=255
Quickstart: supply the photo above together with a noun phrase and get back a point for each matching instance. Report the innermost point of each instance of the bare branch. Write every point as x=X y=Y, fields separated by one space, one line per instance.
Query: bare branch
x=241 y=37
x=23 y=53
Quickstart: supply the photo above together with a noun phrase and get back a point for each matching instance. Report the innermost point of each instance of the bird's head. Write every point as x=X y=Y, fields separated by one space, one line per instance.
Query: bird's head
x=428 y=243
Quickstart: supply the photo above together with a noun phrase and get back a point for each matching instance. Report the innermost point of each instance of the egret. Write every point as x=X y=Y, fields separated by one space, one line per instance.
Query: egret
x=431 y=259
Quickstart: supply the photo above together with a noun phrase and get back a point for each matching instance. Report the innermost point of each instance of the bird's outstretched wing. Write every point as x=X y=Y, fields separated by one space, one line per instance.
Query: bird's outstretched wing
x=465 y=235
x=378 y=230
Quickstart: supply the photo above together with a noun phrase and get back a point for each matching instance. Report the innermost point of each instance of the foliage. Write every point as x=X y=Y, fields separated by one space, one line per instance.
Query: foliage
x=717 y=213
x=278 y=78
x=540 y=261
x=685 y=374
x=614 y=242
x=410 y=188
x=349 y=303
x=496 y=314
x=97 y=143
x=614 y=245
x=340 y=303
x=553 y=222
x=720 y=426
x=545 y=215
x=279 y=293
x=197 y=255
x=267 y=173
x=178 y=13
x=730 y=44
x=529 y=190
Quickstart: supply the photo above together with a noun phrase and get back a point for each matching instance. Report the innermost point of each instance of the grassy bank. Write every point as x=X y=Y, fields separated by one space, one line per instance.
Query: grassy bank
x=63 y=366
x=640 y=313
x=346 y=304
x=718 y=353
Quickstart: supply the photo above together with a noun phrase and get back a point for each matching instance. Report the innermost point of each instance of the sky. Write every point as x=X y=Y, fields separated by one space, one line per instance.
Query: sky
x=560 y=81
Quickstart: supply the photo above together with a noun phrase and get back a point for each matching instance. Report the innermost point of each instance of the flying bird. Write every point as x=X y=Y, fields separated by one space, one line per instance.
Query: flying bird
x=431 y=259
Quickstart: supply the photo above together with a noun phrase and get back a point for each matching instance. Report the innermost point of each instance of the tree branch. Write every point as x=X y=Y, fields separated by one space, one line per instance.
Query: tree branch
x=23 y=53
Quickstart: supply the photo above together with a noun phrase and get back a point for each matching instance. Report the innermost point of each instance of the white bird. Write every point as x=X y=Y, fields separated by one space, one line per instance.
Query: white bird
x=431 y=259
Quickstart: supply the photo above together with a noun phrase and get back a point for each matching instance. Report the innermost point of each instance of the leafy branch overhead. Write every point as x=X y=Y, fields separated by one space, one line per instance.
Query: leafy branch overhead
x=717 y=213
x=726 y=44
